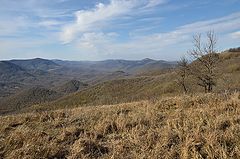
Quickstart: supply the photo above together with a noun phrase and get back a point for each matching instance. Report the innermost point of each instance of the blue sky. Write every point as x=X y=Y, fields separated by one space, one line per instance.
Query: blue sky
x=113 y=29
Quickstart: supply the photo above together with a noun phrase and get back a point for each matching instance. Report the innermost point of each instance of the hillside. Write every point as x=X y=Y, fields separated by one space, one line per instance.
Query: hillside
x=54 y=73
x=36 y=64
x=117 y=91
x=119 y=86
x=149 y=87
x=71 y=87
x=36 y=95
x=26 y=98
x=10 y=71
x=190 y=126
x=9 y=88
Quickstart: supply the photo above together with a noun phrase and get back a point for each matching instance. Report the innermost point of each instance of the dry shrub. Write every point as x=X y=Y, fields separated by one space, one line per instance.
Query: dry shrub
x=87 y=149
x=233 y=68
x=26 y=143
x=111 y=128
x=70 y=134
x=224 y=125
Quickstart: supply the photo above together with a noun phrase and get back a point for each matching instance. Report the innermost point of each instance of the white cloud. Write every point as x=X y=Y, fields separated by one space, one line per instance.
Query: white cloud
x=87 y=20
x=96 y=43
x=153 y=3
x=235 y=35
x=49 y=23
x=142 y=46
x=12 y=26
x=219 y=24
x=95 y=19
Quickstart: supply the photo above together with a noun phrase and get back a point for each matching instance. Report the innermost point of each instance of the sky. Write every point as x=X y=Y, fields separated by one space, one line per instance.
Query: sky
x=113 y=29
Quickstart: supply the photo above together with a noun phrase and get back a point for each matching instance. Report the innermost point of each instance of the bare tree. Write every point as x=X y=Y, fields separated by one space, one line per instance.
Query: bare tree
x=206 y=58
x=183 y=71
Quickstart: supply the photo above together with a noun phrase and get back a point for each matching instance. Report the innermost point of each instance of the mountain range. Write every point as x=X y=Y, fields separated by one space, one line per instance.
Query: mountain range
x=41 y=84
x=20 y=78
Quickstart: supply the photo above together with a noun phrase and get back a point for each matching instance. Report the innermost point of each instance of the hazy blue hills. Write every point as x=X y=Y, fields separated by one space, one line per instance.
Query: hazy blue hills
x=33 y=81
x=36 y=64
x=118 y=65
x=10 y=71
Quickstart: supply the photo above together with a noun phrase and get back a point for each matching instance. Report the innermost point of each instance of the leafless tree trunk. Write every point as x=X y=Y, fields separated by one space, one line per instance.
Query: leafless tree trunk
x=182 y=72
x=206 y=58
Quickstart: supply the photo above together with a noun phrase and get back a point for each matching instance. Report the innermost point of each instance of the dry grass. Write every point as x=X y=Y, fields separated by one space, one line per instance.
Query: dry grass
x=190 y=126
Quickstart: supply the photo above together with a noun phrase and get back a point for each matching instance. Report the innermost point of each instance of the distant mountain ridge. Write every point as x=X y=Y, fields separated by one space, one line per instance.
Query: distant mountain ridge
x=11 y=71
x=105 y=65
x=118 y=64
x=17 y=75
x=36 y=64
x=21 y=70
x=107 y=82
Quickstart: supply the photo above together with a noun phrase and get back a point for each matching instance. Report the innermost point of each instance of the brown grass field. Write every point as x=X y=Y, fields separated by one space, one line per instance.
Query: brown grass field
x=189 y=126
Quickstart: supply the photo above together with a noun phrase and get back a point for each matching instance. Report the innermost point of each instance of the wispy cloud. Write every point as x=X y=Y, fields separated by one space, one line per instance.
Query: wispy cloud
x=89 y=20
x=153 y=3
x=95 y=19
x=50 y=23
x=235 y=35
x=140 y=46
x=219 y=24
x=11 y=26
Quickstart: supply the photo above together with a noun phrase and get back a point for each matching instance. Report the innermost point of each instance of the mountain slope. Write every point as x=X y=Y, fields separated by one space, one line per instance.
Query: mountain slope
x=27 y=98
x=36 y=64
x=147 y=87
x=10 y=71
x=124 y=88
x=117 y=91
x=71 y=86
x=9 y=88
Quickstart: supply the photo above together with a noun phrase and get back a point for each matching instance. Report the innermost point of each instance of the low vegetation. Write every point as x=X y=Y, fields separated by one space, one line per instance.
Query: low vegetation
x=188 y=126
x=26 y=98
x=147 y=87
x=114 y=92
x=234 y=49
x=143 y=87
x=71 y=87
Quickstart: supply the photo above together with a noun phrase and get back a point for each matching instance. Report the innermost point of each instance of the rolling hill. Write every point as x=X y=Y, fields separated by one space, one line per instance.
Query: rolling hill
x=71 y=87
x=119 y=86
x=149 y=87
x=18 y=74
x=26 y=98
x=9 y=88
x=10 y=71
x=36 y=64
x=36 y=95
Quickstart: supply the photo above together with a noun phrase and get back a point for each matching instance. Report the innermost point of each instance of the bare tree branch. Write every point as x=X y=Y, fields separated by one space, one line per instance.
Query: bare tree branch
x=183 y=71
x=206 y=58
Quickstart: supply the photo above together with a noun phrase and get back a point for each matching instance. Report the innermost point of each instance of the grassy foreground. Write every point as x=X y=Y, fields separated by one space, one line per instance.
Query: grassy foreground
x=189 y=126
